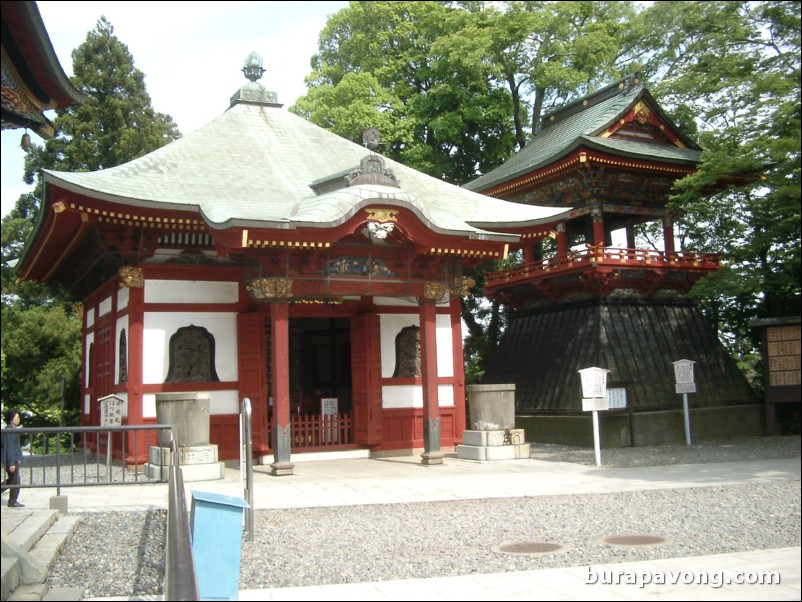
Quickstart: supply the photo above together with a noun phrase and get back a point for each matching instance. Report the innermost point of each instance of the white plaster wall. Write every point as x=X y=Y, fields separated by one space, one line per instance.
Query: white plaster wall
x=87 y=404
x=391 y=325
x=445 y=347
x=122 y=324
x=220 y=402
x=411 y=396
x=90 y=338
x=394 y=302
x=104 y=307
x=90 y=317
x=160 y=326
x=123 y=295
x=190 y=291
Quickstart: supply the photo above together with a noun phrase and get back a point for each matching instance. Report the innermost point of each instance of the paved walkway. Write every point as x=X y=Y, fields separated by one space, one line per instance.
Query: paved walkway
x=354 y=481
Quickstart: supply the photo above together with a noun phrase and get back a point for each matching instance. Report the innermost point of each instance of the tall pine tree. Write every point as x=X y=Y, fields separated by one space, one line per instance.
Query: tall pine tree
x=41 y=335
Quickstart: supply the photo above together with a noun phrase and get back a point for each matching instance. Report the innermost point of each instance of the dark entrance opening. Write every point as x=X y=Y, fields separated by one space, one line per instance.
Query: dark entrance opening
x=320 y=364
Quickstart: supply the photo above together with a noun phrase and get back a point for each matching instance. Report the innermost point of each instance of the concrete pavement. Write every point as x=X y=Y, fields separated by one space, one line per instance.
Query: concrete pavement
x=358 y=480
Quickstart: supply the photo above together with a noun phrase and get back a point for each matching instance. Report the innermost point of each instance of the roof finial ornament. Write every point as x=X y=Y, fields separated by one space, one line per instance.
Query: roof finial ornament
x=371 y=138
x=253 y=68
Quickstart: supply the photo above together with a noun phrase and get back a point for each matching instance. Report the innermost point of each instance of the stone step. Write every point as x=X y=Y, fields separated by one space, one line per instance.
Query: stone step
x=9 y=576
x=28 y=559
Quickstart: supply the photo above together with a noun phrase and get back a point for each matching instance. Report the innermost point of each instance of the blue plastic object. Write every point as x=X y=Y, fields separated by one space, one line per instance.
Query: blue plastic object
x=216 y=525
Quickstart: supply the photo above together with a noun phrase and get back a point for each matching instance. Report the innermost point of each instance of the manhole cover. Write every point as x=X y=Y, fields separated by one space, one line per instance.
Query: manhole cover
x=635 y=540
x=530 y=547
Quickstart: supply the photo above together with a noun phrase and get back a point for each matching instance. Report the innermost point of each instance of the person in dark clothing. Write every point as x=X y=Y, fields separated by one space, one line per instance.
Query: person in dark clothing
x=12 y=456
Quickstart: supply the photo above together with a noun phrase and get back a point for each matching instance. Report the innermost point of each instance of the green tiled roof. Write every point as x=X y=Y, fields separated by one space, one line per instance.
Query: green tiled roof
x=254 y=166
x=575 y=127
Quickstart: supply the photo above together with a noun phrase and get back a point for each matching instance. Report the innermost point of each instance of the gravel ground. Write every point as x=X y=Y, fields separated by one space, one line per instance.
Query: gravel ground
x=122 y=553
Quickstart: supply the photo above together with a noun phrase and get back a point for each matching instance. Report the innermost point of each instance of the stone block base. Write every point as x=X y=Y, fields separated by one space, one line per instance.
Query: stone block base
x=197 y=462
x=494 y=438
x=486 y=446
x=281 y=469
x=498 y=452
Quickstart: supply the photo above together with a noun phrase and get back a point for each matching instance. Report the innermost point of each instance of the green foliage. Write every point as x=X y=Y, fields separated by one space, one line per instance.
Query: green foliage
x=451 y=87
x=485 y=320
x=117 y=123
x=41 y=335
x=389 y=65
x=41 y=346
x=735 y=67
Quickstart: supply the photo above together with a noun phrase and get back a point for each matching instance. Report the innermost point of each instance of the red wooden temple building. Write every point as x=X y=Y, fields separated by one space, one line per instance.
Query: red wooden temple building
x=264 y=257
x=584 y=295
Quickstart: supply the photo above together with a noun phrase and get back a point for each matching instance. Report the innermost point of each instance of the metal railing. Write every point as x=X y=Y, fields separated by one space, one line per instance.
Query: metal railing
x=89 y=456
x=246 y=461
x=180 y=578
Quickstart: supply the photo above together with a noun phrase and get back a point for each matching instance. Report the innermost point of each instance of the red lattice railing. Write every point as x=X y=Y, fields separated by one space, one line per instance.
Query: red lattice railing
x=605 y=257
x=318 y=432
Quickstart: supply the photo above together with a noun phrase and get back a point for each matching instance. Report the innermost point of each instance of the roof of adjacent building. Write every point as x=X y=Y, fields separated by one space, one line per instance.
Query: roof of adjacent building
x=33 y=79
x=581 y=124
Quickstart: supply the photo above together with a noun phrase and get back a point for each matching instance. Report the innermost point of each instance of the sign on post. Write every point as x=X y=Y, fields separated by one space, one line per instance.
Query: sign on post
x=594 y=398
x=111 y=414
x=111 y=410
x=683 y=375
x=594 y=382
x=328 y=414
x=617 y=398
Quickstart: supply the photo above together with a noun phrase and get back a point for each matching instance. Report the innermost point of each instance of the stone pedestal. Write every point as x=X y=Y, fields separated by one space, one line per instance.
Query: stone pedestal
x=494 y=445
x=188 y=413
x=197 y=462
x=494 y=436
x=492 y=407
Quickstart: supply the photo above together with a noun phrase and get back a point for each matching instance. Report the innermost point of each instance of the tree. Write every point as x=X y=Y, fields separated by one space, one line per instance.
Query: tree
x=452 y=85
x=387 y=65
x=41 y=336
x=734 y=67
x=547 y=53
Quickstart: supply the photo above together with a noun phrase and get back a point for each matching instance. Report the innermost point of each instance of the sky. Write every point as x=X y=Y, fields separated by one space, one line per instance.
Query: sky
x=191 y=54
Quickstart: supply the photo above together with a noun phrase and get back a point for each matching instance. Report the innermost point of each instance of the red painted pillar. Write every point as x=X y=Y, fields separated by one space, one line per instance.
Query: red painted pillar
x=280 y=388
x=668 y=236
x=428 y=364
x=136 y=361
x=562 y=241
x=598 y=226
x=529 y=254
x=460 y=417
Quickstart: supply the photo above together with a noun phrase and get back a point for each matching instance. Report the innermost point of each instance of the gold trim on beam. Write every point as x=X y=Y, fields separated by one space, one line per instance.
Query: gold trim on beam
x=290 y=244
x=463 y=252
x=129 y=219
x=533 y=178
x=545 y=234
x=131 y=277
x=382 y=214
x=435 y=291
x=267 y=289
